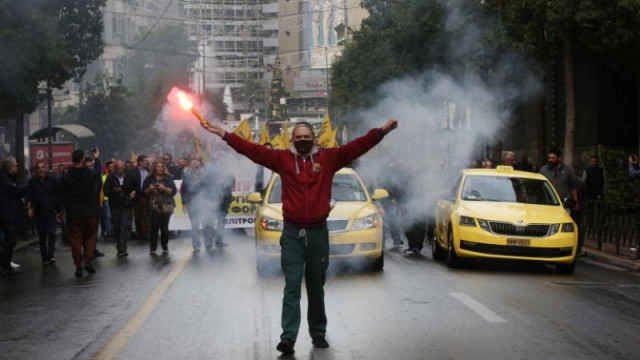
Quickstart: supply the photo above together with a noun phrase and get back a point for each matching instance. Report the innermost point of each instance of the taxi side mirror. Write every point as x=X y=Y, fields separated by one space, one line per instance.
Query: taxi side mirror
x=446 y=196
x=568 y=203
x=379 y=194
x=255 y=198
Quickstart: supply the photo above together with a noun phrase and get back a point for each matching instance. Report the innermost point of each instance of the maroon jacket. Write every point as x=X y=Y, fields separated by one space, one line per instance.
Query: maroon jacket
x=306 y=182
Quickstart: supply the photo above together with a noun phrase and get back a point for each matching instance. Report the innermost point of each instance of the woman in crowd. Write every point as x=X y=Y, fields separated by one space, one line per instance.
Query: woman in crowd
x=160 y=190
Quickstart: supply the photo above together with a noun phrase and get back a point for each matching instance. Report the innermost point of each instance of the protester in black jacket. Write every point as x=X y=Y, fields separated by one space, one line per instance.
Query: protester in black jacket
x=42 y=202
x=79 y=192
x=12 y=213
x=121 y=189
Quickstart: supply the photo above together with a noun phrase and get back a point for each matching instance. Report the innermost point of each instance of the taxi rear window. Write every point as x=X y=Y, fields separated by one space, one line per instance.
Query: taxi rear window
x=508 y=189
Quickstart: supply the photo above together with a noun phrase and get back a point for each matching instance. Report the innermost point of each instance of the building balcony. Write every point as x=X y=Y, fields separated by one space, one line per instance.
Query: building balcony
x=270 y=8
x=270 y=42
x=270 y=25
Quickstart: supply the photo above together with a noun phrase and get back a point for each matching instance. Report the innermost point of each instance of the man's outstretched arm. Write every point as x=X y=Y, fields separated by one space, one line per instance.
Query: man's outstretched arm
x=354 y=149
x=256 y=153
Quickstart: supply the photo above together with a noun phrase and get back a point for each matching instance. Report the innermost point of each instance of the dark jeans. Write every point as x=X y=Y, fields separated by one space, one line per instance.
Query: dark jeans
x=221 y=220
x=208 y=231
x=416 y=233
x=11 y=232
x=159 y=222
x=105 y=219
x=46 y=225
x=121 y=218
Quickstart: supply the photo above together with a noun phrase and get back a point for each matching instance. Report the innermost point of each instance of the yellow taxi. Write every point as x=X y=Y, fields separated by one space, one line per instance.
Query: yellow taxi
x=355 y=225
x=504 y=214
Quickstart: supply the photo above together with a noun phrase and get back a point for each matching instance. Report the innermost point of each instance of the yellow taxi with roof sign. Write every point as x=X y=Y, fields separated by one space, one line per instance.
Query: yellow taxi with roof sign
x=504 y=214
x=354 y=223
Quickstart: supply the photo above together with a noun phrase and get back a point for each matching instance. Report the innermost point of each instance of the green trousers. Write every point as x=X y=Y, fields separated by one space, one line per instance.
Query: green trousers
x=304 y=251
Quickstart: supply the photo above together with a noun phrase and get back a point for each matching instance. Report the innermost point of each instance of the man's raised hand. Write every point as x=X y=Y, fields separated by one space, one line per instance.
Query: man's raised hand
x=214 y=129
x=391 y=124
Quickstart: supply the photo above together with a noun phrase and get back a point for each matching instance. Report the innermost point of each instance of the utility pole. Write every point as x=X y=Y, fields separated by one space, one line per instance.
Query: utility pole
x=326 y=62
x=204 y=61
x=49 y=126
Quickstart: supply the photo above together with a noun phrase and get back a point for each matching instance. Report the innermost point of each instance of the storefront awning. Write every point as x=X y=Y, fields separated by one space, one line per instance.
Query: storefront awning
x=78 y=131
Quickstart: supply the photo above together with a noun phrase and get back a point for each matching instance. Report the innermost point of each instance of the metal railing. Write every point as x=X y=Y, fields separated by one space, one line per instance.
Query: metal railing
x=612 y=222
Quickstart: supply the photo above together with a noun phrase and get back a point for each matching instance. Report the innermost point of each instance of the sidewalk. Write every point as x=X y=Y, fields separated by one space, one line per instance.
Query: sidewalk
x=626 y=259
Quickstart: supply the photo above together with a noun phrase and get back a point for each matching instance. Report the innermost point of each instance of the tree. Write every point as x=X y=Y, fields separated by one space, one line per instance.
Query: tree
x=610 y=30
x=158 y=62
x=108 y=111
x=40 y=40
x=275 y=110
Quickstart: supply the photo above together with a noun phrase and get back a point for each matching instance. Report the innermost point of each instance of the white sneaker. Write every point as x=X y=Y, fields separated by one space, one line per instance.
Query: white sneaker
x=15 y=266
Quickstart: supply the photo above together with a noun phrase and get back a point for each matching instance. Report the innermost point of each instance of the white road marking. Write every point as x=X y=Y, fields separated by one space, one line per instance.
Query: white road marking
x=606 y=266
x=111 y=349
x=478 y=308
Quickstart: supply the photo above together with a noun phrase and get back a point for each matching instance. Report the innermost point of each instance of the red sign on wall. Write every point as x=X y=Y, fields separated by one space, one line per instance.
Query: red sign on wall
x=61 y=153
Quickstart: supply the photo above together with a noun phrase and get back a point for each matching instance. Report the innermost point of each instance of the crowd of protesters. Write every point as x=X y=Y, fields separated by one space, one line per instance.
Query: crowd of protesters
x=119 y=201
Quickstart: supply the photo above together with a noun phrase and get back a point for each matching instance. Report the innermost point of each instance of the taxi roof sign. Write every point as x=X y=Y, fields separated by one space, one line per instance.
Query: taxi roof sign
x=504 y=168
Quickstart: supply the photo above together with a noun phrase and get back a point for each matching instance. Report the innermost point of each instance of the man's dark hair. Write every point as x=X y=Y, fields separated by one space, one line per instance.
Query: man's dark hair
x=595 y=157
x=556 y=152
x=141 y=158
x=128 y=162
x=268 y=143
x=77 y=156
x=108 y=163
x=167 y=155
x=88 y=159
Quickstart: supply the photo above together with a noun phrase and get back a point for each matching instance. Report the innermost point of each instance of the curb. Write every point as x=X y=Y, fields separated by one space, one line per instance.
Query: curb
x=612 y=259
x=25 y=244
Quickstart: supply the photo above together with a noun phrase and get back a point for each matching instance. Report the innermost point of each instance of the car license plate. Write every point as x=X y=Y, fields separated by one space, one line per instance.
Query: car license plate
x=519 y=242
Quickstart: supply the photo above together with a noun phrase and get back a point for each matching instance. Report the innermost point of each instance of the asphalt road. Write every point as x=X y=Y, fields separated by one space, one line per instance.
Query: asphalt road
x=214 y=305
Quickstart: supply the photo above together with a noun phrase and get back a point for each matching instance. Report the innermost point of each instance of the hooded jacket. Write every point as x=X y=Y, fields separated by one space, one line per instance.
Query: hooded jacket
x=306 y=181
x=80 y=192
x=11 y=194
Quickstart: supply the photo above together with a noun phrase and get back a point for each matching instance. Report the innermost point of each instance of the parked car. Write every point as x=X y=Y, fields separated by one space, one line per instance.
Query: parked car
x=504 y=214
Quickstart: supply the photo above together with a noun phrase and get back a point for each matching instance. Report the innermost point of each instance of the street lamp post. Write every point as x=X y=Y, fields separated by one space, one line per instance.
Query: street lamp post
x=49 y=126
x=326 y=63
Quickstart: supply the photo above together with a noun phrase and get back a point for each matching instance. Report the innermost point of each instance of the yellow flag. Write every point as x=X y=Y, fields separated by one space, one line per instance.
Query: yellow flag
x=324 y=138
x=244 y=131
x=134 y=157
x=276 y=142
x=333 y=142
x=201 y=153
x=285 y=137
x=264 y=135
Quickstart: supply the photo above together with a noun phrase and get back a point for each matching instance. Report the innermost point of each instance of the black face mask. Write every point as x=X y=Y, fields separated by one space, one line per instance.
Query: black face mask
x=303 y=147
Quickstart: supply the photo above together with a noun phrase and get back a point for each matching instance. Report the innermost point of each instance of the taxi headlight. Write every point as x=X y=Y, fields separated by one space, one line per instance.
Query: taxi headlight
x=567 y=227
x=484 y=224
x=553 y=229
x=467 y=221
x=364 y=223
x=268 y=223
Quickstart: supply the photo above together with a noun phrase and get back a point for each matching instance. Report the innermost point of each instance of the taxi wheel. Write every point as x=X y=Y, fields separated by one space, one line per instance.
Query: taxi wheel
x=566 y=268
x=378 y=264
x=437 y=252
x=452 y=258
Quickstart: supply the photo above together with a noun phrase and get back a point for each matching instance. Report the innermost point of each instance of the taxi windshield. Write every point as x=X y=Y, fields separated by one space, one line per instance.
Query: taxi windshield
x=508 y=189
x=345 y=187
